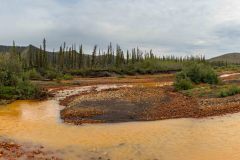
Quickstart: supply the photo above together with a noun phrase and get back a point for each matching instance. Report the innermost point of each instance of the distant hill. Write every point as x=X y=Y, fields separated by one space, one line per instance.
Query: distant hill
x=26 y=50
x=5 y=49
x=23 y=50
x=229 y=58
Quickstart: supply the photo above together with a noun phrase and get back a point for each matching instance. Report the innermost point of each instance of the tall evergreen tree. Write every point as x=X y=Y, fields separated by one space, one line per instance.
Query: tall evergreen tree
x=93 y=63
x=81 y=58
x=44 y=60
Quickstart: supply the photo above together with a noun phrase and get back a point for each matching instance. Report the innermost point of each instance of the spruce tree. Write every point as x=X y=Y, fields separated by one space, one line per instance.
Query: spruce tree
x=81 y=60
x=93 y=63
x=44 y=60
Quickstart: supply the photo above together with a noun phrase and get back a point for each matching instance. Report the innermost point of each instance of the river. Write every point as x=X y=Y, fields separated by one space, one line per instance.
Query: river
x=177 y=139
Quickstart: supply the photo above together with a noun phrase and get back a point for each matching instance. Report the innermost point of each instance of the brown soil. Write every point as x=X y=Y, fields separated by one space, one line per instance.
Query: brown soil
x=219 y=106
x=12 y=151
x=78 y=81
x=143 y=104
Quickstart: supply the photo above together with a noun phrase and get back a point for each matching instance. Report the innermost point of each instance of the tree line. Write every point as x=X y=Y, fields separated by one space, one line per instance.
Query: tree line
x=74 y=58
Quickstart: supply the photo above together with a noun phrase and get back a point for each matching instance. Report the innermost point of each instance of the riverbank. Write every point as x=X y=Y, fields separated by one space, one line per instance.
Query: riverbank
x=136 y=140
x=12 y=150
x=136 y=98
x=145 y=101
x=25 y=91
x=143 y=104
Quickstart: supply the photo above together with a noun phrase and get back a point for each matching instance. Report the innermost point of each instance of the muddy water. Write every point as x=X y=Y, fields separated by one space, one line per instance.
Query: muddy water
x=179 y=139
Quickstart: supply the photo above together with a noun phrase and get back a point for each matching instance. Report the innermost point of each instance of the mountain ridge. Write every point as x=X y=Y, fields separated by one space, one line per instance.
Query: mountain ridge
x=233 y=57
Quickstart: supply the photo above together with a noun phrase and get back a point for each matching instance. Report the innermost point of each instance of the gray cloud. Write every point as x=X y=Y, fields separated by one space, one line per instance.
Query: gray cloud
x=167 y=26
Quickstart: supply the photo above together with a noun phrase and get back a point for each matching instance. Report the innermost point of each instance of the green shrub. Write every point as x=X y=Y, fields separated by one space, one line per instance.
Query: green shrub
x=7 y=92
x=195 y=73
x=232 y=90
x=183 y=84
x=208 y=75
x=181 y=75
x=14 y=82
x=67 y=77
x=8 y=78
x=33 y=75
x=199 y=72
x=148 y=66
x=223 y=93
x=24 y=90
x=51 y=75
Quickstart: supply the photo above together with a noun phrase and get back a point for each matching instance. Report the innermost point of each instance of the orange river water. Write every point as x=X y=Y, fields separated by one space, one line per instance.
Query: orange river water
x=178 y=139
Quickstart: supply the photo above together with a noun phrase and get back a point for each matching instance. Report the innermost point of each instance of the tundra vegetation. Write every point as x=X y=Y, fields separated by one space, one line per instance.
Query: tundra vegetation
x=41 y=63
x=20 y=65
x=195 y=73
x=14 y=81
x=201 y=80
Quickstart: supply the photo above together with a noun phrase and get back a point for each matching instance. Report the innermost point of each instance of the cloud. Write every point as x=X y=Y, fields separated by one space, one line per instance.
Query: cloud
x=177 y=27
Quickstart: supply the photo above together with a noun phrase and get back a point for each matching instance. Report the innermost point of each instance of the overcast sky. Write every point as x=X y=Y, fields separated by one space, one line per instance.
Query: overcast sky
x=179 y=27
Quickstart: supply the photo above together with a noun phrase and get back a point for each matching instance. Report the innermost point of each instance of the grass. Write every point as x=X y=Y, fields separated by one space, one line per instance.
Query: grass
x=229 y=91
x=204 y=90
x=212 y=91
x=228 y=68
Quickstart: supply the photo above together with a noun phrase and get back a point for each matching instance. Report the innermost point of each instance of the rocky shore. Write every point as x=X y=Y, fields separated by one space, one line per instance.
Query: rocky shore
x=11 y=150
x=142 y=104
